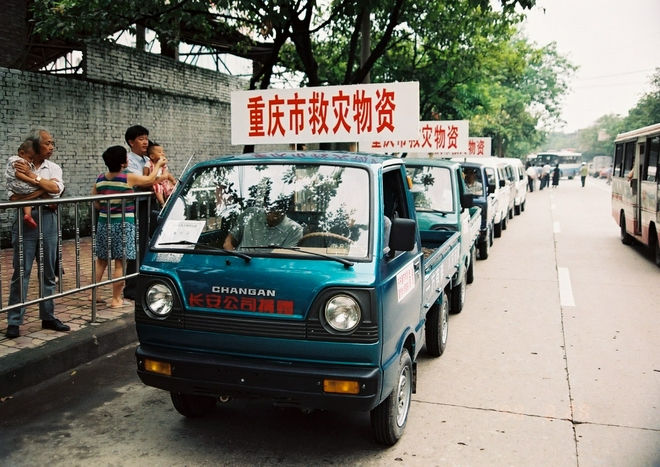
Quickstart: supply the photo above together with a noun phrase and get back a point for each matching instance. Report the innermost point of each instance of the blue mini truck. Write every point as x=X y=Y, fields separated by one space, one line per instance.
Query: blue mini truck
x=299 y=278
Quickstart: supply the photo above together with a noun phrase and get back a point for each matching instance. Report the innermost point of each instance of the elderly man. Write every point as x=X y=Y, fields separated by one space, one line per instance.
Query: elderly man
x=47 y=179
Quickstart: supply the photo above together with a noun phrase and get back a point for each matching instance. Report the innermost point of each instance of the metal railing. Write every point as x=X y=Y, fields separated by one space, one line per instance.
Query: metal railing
x=75 y=218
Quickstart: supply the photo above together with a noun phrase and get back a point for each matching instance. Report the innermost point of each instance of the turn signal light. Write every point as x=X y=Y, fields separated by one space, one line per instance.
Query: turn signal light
x=158 y=367
x=341 y=387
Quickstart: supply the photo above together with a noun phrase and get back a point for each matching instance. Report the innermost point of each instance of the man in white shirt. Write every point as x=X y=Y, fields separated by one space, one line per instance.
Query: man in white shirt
x=545 y=175
x=531 y=177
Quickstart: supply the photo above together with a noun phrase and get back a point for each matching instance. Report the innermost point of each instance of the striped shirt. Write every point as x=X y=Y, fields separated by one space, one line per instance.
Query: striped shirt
x=118 y=185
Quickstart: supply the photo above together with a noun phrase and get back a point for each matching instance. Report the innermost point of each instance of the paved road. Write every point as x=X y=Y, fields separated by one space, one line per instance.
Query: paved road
x=553 y=362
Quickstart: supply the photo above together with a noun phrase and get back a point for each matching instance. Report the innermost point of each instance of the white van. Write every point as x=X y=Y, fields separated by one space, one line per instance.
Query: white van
x=517 y=176
x=499 y=187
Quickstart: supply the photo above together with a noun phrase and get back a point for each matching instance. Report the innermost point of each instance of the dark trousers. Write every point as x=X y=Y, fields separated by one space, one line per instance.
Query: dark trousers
x=143 y=207
x=530 y=183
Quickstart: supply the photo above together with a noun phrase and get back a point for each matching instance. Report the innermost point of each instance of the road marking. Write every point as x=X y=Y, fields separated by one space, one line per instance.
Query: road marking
x=553 y=206
x=555 y=227
x=565 y=289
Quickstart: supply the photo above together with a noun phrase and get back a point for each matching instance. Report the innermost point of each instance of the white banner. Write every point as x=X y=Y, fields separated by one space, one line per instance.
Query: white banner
x=477 y=147
x=325 y=114
x=434 y=136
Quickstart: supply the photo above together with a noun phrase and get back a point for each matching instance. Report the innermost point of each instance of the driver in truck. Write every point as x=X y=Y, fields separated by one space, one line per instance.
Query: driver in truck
x=263 y=227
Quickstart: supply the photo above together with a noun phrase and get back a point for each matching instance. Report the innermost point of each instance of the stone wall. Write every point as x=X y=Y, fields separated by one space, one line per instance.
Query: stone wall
x=185 y=108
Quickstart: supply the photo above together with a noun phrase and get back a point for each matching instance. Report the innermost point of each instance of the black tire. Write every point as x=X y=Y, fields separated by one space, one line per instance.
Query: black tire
x=505 y=222
x=497 y=230
x=517 y=209
x=511 y=213
x=655 y=247
x=388 y=419
x=192 y=406
x=484 y=247
x=491 y=238
x=458 y=296
x=626 y=239
x=470 y=270
x=522 y=206
x=437 y=328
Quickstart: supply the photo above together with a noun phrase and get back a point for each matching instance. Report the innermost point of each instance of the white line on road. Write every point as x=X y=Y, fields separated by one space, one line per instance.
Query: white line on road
x=553 y=206
x=565 y=289
x=555 y=227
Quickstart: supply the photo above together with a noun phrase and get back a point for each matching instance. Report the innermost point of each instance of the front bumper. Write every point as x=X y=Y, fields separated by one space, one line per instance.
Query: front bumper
x=284 y=382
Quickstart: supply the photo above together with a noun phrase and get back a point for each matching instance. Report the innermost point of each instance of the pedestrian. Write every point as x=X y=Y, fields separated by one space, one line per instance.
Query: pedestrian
x=48 y=180
x=121 y=225
x=165 y=181
x=531 y=177
x=137 y=139
x=545 y=175
x=609 y=174
x=584 y=171
x=556 y=173
x=20 y=183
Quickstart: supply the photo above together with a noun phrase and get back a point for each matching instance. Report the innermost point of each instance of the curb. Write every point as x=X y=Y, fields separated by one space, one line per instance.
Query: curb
x=29 y=367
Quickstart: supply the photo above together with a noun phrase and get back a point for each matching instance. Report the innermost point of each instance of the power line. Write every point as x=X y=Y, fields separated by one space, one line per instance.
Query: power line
x=618 y=74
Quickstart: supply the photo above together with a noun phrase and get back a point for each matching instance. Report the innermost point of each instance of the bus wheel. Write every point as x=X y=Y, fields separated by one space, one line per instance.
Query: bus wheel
x=626 y=239
x=655 y=247
x=192 y=406
x=388 y=419
x=437 y=328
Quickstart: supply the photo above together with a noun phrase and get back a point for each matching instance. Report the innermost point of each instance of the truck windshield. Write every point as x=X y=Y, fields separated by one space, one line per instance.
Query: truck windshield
x=432 y=189
x=282 y=209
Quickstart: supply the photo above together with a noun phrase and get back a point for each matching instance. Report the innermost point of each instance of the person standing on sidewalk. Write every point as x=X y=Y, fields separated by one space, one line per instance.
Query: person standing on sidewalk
x=584 y=171
x=137 y=138
x=531 y=177
x=48 y=180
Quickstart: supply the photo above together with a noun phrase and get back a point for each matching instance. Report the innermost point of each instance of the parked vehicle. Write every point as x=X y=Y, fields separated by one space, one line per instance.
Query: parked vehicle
x=499 y=187
x=518 y=178
x=334 y=320
x=443 y=203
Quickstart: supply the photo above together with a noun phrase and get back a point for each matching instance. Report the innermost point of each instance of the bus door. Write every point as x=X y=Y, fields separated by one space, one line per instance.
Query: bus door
x=637 y=191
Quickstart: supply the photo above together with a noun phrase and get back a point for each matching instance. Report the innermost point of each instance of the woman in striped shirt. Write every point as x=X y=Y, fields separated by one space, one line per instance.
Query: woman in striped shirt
x=116 y=229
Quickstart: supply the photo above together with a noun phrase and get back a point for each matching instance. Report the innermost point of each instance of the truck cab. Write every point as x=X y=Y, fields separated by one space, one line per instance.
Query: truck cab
x=328 y=308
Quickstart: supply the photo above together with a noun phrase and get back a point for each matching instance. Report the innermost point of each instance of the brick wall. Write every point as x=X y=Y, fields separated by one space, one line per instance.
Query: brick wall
x=185 y=108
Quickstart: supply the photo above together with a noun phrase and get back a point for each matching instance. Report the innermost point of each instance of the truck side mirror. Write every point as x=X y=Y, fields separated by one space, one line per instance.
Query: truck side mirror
x=491 y=188
x=502 y=183
x=467 y=200
x=403 y=234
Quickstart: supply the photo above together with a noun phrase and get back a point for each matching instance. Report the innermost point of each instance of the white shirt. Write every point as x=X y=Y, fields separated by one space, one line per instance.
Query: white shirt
x=51 y=171
x=136 y=164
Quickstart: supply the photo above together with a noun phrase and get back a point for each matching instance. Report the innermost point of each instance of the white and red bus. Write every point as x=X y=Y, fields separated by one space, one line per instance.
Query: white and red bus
x=635 y=187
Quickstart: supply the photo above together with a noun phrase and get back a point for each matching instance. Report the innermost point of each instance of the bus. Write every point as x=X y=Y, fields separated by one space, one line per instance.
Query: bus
x=635 y=187
x=569 y=161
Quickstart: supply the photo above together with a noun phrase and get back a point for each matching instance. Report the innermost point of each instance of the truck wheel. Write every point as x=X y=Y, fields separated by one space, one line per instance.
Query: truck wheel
x=510 y=213
x=504 y=222
x=517 y=209
x=522 y=206
x=491 y=238
x=388 y=419
x=458 y=297
x=498 y=229
x=437 y=328
x=192 y=406
x=626 y=239
x=470 y=270
x=484 y=248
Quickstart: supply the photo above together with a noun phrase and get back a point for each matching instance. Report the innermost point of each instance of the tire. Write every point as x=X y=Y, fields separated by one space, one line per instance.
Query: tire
x=437 y=328
x=470 y=270
x=626 y=239
x=491 y=238
x=484 y=247
x=388 y=419
x=655 y=247
x=192 y=406
x=510 y=213
x=517 y=209
x=458 y=297
x=522 y=206
x=497 y=231
x=505 y=222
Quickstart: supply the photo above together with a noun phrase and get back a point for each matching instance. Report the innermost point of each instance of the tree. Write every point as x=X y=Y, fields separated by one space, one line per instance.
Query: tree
x=647 y=110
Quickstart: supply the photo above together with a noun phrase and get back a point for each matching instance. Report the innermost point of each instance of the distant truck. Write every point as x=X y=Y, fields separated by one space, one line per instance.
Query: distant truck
x=598 y=164
x=329 y=310
x=443 y=203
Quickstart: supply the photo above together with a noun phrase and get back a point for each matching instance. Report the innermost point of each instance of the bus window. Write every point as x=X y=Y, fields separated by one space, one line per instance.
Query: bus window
x=653 y=145
x=629 y=158
x=618 y=161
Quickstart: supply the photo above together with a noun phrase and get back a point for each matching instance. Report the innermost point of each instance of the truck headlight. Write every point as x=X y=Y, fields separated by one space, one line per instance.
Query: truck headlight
x=159 y=300
x=343 y=313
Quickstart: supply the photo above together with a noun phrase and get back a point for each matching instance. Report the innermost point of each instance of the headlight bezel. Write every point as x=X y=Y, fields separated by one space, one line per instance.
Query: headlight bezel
x=159 y=300
x=342 y=307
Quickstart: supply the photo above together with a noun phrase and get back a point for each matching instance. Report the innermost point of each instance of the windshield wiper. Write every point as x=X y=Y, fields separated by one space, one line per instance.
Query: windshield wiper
x=434 y=211
x=343 y=261
x=238 y=254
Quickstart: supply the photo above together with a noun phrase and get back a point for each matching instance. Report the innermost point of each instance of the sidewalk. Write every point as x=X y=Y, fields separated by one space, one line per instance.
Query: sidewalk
x=39 y=354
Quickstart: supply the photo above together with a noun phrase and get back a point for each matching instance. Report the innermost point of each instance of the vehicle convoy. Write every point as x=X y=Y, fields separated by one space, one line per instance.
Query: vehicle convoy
x=301 y=278
x=499 y=188
x=518 y=179
x=443 y=203
x=635 y=189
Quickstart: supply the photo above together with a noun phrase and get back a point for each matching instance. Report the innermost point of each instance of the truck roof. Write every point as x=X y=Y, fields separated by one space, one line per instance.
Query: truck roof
x=430 y=162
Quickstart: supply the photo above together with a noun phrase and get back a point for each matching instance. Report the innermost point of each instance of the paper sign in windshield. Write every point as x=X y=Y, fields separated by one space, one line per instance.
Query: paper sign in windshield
x=180 y=231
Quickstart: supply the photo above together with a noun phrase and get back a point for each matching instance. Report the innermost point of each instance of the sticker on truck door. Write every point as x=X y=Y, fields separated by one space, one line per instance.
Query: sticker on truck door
x=405 y=281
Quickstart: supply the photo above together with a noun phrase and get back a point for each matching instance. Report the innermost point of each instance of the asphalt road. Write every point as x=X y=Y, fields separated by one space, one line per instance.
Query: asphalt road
x=554 y=361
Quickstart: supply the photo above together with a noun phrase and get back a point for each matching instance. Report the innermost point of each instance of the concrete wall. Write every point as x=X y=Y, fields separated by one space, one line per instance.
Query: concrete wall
x=185 y=108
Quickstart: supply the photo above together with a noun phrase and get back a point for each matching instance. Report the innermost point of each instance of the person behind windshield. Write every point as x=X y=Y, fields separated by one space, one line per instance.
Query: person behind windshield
x=473 y=186
x=259 y=227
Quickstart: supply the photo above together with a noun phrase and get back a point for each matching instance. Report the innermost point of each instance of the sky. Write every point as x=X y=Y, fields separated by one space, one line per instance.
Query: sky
x=615 y=44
